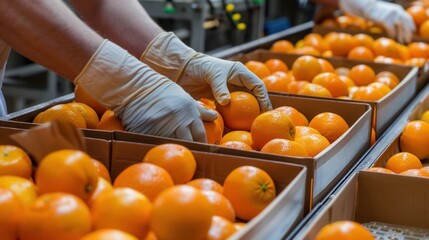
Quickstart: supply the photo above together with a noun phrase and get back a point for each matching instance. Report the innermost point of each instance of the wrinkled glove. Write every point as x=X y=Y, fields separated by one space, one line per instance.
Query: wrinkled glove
x=146 y=101
x=393 y=17
x=201 y=75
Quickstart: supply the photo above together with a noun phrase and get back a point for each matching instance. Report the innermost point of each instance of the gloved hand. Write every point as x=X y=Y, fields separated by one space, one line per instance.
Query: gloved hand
x=146 y=101
x=201 y=75
x=393 y=17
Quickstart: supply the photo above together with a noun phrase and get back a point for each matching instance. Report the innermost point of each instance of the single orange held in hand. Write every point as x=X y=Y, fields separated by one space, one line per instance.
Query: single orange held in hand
x=345 y=230
x=403 y=161
x=110 y=122
x=285 y=147
x=250 y=190
x=177 y=159
x=206 y=184
x=214 y=129
x=221 y=205
x=330 y=125
x=104 y=234
x=414 y=139
x=12 y=211
x=14 y=161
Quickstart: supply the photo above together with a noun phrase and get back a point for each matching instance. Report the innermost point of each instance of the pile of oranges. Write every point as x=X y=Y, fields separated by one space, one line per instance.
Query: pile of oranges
x=351 y=22
x=69 y=195
x=315 y=76
x=359 y=46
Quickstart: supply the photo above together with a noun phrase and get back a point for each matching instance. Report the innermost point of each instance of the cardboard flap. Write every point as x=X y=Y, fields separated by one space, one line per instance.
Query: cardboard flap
x=41 y=140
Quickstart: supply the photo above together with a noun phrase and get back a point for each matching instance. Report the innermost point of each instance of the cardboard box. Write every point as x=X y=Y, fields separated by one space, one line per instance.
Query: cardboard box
x=385 y=109
x=324 y=170
x=274 y=221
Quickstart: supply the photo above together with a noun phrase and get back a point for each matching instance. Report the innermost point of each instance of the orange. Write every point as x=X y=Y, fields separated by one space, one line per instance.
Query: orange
x=387 y=60
x=104 y=234
x=123 y=209
x=330 y=125
x=326 y=65
x=146 y=178
x=177 y=159
x=294 y=86
x=240 y=112
x=342 y=71
x=402 y=161
x=214 y=129
x=414 y=139
x=341 y=44
x=362 y=75
x=404 y=52
x=304 y=130
x=418 y=13
x=312 y=89
x=415 y=172
x=61 y=112
x=379 y=170
x=103 y=186
x=284 y=147
x=423 y=29
x=275 y=65
x=327 y=54
x=306 y=67
x=386 y=47
x=258 y=68
x=69 y=171
x=364 y=40
x=388 y=78
x=345 y=230
x=313 y=143
x=418 y=50
x=367 y=94
x=416 y=62
x=282 y=46
x=361 y=53
x=221 y=205
x=206 y=184
x=220 y=228
x=250 y=189
x=332 y=82
x=296 y=116
x=426 y=169
x=344 y=21
x=110 y=122
x=306 y=50
x=315 y=40
x=55 y=216
x=236 y=145
x=80 y=95
x=329 y=23
x=11 y=215
x=348 y=81
x=23 y=188
x=383 y=88
x=238 y=135
x=274 y=83
x=181 y=212
x=425 y=116
x=269 y=125
x=14 y=161
x=102 y=170
x=89 y=114
x=239 y=225
x=284 y=77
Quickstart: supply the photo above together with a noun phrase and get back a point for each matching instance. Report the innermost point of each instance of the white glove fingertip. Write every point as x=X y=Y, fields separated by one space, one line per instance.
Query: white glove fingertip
x=223 y=100
x=207 y=114
x=198 y=132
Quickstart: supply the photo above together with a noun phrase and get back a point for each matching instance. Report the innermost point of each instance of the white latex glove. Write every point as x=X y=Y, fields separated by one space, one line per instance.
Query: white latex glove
x=391 y=16
x=146 y=101
x=201 y=75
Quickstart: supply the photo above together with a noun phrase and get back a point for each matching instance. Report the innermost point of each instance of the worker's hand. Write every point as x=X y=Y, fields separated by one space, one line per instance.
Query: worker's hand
x=201 y=75
x=391 y=16
x=146 y=101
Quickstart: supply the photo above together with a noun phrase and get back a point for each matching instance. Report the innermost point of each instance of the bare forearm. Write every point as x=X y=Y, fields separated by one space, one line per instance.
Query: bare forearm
x=48 y=33
x=124 y=22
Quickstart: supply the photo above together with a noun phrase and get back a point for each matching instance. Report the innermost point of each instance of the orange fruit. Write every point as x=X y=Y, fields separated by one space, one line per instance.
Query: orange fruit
x=104 y=234
x=402 y=161
x=313 y=143
x=418 y=13
x=89 y=114
x=362 y=75
x=386 y=47
x=221 y=205
x=342 y=71
x=315 y=40
x=102 y=170
x=345 y=230
x=388 y=78
x=344 y=21
x=341 y=44
x=404 y=52
x=220 y=228
x=238 y=135
x=414 y=139
x=123 y=209
x=284 y=147
x=61 y=112
x=425 y=116
x=181 y=212
x=258 y=68
x=367 y=94
x=206 y=184
x=269 y=125
x=330 y=125
x=294 y=86
x=274 y=83
x=146 y=178
x=80 y=95
x=312 y=89
x=103 y=186
x=240 y=112
x=416 y=62
x=306 y=50
x=423 y=29
x=418 y=50
x=426 y=169
x=177 y=159
x=361 y=53
x=12 y=211
x=55 y=216
x=296 y=116
x=415 y=172
x=306 y=67
x=380 y=170
x=239 y=225
x=275 y=65
x=364 y=40
x=69 y=171
x=304 y=130
x=15 y=161
x=282 y=46
x=388 y=60
x=23 y=188
x=326 y=65
x=383 y=88
x=214 y=129
x=284 y=77
x=236 y=145
x=250 y=189
x=348 y=81
x=110 y=122
x=332 y=82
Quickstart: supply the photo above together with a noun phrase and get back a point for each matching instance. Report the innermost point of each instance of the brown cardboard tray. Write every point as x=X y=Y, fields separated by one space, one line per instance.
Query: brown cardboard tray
x=386 y=109
x=276 y=220
x=324 y=170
